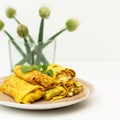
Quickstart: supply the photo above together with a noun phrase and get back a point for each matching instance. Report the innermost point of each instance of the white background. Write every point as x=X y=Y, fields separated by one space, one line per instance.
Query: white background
x=97 y=38
x=92 y=50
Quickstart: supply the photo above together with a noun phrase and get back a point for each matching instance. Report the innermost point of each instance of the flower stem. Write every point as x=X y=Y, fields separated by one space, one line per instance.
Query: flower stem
x=40 y=42
x=38 y=54
x=27 y=58
x=44 y=60
x=53 y=38
x=30 y=38
x=32 y=57
x=16 y=20
x=14 y=43
x=41 y=30
x=27 y=47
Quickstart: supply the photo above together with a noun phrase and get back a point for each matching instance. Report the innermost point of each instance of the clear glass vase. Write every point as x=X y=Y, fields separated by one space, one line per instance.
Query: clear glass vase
x=26 y=53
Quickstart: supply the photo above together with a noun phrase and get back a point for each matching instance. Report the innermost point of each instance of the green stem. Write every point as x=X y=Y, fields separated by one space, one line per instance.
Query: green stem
x=53 y=38
x=27 y=58
x=27 y=45
x=38 y=54
x=14 y=43
x=16 y=20
x=32 y=57
x=40 y=42
x=41 y=31
x=30 y=38
x=44 y=60
x=39 y=50
x=27 y=48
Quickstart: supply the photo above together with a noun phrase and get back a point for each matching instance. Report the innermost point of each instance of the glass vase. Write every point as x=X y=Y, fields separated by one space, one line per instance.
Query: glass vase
x=26 y=53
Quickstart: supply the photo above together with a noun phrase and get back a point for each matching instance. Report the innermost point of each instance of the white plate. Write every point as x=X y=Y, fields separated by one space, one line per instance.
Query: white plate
x=43 y=105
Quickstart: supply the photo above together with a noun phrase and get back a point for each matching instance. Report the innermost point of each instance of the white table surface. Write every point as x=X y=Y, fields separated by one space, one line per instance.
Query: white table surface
x=103 y=105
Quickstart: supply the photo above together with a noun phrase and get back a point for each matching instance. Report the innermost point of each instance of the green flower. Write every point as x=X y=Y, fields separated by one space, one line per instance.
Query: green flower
x=1 y=24
x=10 y=12
x=44 y=12
x=72 y=24
x=22 y=30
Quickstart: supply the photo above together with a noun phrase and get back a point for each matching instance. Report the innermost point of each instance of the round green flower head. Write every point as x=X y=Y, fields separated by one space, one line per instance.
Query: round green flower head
x=10 y=12
x=72 y=24
x=22 y=30
x=1 y=24
x=44 y=12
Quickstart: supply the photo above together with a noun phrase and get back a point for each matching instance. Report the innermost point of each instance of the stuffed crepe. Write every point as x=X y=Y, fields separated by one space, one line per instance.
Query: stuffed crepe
x=21 y=91
x=56 y=93
x=61 y=74
x=35 y=77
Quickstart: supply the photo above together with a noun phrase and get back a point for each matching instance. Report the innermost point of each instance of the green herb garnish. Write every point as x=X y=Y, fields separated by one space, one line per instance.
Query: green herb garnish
x=42 y=68
x=50 y=72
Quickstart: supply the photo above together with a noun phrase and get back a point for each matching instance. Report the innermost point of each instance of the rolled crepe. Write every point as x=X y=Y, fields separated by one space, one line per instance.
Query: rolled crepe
x=20 y=90
x=56 y=93
x=35 y=77
x=61 y=74
x=73 y=87
x=65 y=77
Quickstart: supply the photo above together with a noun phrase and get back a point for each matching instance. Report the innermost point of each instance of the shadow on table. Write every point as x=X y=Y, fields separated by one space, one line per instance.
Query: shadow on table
x=53 y=112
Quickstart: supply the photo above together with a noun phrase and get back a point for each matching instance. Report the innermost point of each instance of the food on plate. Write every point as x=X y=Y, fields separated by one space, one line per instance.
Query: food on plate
x=65 y=77
x=35 y=77
x=61 y=74
x=55 y=93
x=73 y=87
x=34 y=84
x=21 y=91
